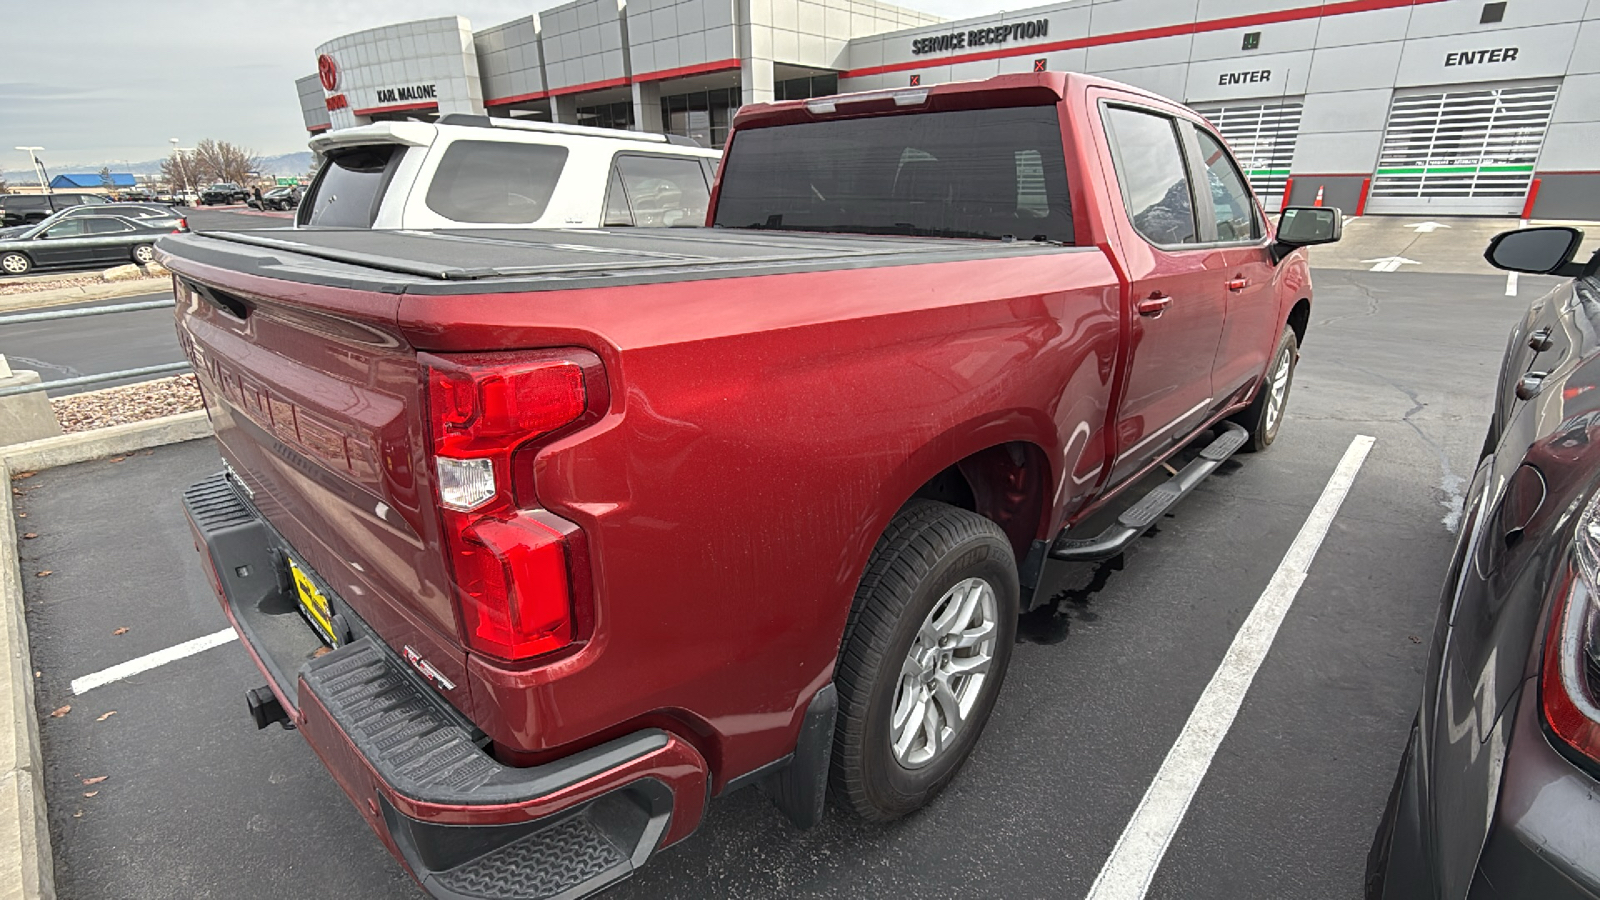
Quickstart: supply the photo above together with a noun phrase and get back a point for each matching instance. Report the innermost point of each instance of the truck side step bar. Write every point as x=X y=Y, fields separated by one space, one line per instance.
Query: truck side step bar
x=1138 y=518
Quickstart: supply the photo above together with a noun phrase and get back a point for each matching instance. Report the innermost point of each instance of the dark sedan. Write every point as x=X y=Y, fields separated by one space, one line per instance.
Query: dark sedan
x=1498 y=794
x=84 y=241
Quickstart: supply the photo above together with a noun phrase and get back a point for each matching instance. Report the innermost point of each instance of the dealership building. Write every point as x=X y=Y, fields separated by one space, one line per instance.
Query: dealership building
x=1380 y=106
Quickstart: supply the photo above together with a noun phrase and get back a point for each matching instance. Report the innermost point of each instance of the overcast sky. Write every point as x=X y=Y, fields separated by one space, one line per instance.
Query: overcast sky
x=112 y=80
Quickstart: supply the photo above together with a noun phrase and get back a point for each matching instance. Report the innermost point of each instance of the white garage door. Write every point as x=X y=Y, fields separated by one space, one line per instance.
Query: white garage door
x=1262 y=136
x=1468 y=151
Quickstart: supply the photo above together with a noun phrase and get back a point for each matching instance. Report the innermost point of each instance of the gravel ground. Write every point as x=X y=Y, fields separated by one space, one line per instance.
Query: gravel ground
x=34 y=285
x=132 y=403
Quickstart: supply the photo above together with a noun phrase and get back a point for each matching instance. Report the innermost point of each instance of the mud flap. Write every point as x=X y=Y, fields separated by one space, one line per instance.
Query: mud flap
x=800 y=789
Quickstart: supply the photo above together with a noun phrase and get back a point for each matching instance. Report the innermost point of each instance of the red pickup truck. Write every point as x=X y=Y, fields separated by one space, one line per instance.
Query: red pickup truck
x=543 y=539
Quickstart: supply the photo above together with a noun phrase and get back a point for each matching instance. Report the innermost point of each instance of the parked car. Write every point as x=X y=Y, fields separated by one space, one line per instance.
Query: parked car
x=136 y=211
x=23 y=209
x=135 y=195
x=481 y=172
x=279 y=198
x=223 y=193
x=83 y=241
x=1498 y=792
x=589 y=527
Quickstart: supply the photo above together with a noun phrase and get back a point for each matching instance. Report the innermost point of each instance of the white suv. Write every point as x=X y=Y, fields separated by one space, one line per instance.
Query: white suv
x=480 y=172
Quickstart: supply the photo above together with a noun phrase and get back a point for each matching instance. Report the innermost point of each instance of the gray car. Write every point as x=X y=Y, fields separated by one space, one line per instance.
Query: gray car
x=84 y=240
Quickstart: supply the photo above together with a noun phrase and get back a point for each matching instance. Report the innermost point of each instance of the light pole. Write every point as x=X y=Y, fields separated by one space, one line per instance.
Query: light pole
x=38 y=170
x=183 y=164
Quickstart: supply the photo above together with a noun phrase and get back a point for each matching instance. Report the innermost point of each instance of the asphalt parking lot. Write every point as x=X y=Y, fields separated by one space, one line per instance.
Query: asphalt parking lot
x=196 y=803
x=97 y=344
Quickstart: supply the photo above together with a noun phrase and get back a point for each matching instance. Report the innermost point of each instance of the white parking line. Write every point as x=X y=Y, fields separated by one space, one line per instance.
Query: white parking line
x=1133 y=862
x=1511 y=277
x=152 y=660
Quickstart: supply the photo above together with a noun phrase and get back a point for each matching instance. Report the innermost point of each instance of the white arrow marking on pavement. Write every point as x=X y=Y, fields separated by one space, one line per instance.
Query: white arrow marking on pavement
x=1389 y=263
x=1427 y=227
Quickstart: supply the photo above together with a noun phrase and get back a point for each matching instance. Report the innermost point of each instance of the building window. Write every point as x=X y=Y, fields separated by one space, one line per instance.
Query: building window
x=806 y=88
x=607 y=115
x=1492 y=13
x=701 y=115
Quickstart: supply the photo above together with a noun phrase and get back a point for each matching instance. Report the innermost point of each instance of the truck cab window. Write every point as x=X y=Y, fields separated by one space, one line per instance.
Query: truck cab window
x=1154 y=179
x=980 y=173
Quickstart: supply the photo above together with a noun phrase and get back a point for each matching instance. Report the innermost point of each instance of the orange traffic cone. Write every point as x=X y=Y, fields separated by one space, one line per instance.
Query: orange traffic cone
x=1318 y=201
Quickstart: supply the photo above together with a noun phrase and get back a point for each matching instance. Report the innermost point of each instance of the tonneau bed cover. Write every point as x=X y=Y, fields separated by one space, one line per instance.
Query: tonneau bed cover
x=483 y=261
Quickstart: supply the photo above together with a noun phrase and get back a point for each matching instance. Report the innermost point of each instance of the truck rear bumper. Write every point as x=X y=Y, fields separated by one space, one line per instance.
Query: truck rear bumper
x=464 y=824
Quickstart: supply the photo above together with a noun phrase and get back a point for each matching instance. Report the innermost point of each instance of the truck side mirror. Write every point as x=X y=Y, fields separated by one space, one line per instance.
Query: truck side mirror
x=1537 y=251
x=1303 y=226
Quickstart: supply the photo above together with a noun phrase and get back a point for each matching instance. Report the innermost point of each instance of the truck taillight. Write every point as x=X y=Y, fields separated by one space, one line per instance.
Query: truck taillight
x=1569 y=684
x=508 y=563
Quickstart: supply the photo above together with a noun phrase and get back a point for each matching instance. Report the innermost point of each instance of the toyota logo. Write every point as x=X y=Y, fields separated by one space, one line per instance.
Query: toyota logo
x=328 y=72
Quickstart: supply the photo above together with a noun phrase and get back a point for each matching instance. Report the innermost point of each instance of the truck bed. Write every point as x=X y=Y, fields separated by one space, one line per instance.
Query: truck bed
x=495 y=261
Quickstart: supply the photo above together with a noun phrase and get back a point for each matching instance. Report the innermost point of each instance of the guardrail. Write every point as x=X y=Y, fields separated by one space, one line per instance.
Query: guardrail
x=83 y=380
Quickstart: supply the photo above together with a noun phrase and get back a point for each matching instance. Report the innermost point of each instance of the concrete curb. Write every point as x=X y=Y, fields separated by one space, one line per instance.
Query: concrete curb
x=27 y=868
x=82 y=294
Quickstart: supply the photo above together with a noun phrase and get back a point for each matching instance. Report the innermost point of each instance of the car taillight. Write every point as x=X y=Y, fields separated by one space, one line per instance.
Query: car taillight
x=508 y=560
x=1569 y=685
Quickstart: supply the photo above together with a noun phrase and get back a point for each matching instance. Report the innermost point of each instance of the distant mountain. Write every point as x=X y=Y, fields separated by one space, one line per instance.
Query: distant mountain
x=281 y=164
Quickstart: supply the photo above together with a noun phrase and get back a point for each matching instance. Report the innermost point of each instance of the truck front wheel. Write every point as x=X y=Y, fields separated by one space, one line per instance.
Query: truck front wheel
x=924 y=658
x=1264 y=416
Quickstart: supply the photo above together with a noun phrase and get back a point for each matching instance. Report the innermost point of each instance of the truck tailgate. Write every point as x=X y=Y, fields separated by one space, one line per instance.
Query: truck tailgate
x=317 y=403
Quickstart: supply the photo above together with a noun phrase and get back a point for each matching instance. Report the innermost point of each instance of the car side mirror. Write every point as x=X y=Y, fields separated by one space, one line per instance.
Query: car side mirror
x=1537 y=251
x=1304 y=226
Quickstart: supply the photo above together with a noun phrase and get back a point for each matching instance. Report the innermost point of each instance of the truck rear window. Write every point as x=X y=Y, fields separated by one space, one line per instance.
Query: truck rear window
x=495 y=181
x=981 y=173
x=346 y=194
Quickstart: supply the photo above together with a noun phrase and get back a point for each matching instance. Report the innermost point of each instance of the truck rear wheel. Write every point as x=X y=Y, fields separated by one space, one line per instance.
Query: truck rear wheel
x=924 y=658
x=1264 y=416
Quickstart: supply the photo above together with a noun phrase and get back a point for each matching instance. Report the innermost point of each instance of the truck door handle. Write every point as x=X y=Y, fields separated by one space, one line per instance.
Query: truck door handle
x=1238 y=284
x=1530 y=385
x=1153 y=305
x=1540 y=340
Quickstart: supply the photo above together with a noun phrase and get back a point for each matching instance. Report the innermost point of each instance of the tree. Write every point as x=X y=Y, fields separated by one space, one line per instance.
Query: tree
x=3 y=188
x=177 y=171
x=105 y=178
x=221 y=161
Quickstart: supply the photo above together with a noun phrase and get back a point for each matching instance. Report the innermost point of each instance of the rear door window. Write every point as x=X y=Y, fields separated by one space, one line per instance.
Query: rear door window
x=980 y=173
x=659 y=191
x=495 y=181
x=104 y=225
x=349 y=189
x=1151 y=171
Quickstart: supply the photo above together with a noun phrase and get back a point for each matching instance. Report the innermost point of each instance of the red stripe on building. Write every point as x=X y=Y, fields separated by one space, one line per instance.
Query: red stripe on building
x=591 y=86
x=1145 y=34
x=403 y=107
x=721 y=65
x=318 y=129
x=518 y=98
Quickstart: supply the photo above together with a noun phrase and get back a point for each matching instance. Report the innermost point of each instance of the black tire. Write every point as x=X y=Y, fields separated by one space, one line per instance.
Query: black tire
x=143 y=254
x=15 y=263
x=1258 y=417
x=928 y=549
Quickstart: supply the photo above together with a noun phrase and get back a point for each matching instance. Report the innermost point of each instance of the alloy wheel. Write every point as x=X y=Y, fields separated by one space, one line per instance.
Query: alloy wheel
x=943 y=673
